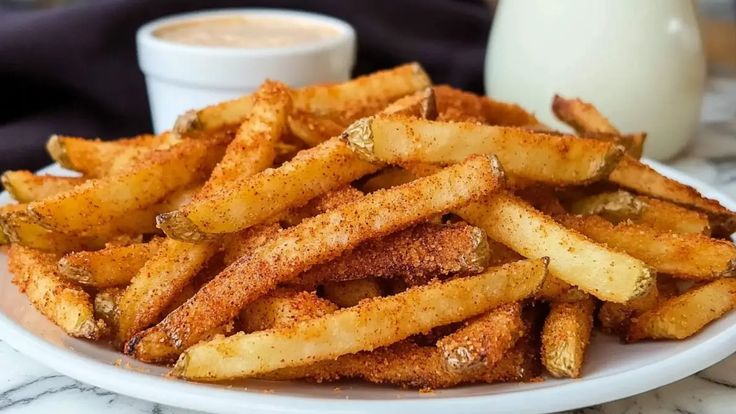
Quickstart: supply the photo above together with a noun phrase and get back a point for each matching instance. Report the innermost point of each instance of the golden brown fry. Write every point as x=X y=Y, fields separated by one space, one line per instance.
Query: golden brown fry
x=109 y=267
x=691 y=256
x=215 y=117
x=615 y=317
x=684 y=315
x=101 y=200
x=24 y=186
x=556 y=290
x=412 y=366
x=310 y=173
x=106 y=306
x=246 y=241
x=575 y=259
x=283 y=307
x=421 y=104
x=483 y=340
x=523 y=153
x=581 y=116
x=371 y=324
x=642 y=179
x=349 y=293
x=66 y=305
x=315 y=241
x=417 y=255
x=313 y=129
x=457 y=105
x=565 y=337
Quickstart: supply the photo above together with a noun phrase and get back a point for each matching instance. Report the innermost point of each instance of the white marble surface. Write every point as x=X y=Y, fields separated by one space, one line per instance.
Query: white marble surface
x=27 y=387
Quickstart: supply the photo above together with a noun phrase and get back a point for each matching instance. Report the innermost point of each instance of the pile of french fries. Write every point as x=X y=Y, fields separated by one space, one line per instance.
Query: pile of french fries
x=384 y=229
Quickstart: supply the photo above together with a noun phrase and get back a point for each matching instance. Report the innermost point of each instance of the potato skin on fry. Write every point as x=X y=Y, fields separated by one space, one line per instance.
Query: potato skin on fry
x=565 y=337
x=318 y=240
x=24 y=186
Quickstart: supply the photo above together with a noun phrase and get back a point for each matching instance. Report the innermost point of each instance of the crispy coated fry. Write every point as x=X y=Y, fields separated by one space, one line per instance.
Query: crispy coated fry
x=416 y=255
x=109 y=267
x=565 y=337
x=100 y=200
x=311 y=172
x=412 y=366
x=64 y=304
x=421 y=104
x=691 y=256
x=483 y=340
x=575 y=259
x=523 y=153
x=219 y=116
x=350 y=292
x=24 y=186
x=556 y=290
x=371 y=324
x=387 y=178
x=615 y=317
x=283 y=307
x=318 y=240
x=320 y=204
x=684 y=315
x=106 y=306
x=246 y=241
x=457 y=105
x=642 y=179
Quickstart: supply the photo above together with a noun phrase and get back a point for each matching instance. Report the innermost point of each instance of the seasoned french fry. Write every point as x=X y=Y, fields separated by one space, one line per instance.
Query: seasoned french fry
x=417 y=255
x=409 y=365
x=106 y=306
x=283 y=307
x=691 y=256
x=421 y=104
x=565 y=337
x=314 y=241
x=581 y=116
x=483 y=340
x=372 y=324
x=523 y=153
x=246 y=241
x=387 y=178
x=24 y=186
x=313 y=129
x=64 y=304
x=575 y=259
x=620 y=206
x=684 y=315
x=321 y=204
x=310 y=173
x=100 y=200
x=219 y=116
x=364 y=95
x=109 y=267
x=457 y=105
x=615 y=317
x=350 y=292
x=555 y=290
x=642 y=179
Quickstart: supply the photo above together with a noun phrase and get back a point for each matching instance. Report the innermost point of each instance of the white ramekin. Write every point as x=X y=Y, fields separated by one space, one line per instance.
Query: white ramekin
x=180 y=77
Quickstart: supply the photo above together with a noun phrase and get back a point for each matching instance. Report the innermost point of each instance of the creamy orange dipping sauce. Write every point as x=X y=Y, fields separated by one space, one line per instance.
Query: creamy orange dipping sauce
x=246 y=32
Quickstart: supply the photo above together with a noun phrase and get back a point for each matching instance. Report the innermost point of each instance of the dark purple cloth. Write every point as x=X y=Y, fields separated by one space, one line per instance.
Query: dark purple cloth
x=72 y=69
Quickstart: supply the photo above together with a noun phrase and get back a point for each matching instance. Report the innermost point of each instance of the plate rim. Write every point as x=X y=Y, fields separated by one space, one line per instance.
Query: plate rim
x=202 y=397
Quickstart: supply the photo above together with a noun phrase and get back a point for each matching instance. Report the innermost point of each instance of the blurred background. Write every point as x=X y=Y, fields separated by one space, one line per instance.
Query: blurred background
x=69 y=66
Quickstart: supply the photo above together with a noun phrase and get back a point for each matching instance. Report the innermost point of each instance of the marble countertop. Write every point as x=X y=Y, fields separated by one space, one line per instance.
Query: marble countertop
x=28 y=387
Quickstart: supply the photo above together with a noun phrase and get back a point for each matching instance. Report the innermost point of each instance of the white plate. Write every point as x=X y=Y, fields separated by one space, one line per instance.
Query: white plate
x=612 y=370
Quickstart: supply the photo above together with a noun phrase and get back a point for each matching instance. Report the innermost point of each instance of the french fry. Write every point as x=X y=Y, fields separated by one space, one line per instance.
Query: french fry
x=24 y=186
x=100 y=200
x=387 y=178
x=615 y=317
x=106 y=306
x=313 y=129
x=581 y=116
x=109 y=267
x=283 y=307
x=364 y=95
x=421 y=104
x=349 y=293
x=635 y=176
x=690 y=256
x=456 y=105
x=483 y=340
x=246 y=241
x=66 y=305
x=410 y=365
x=310 y=173
x=565 y=337
x=219 y=116
x=686 y=314
x=314 y=241
x=556 y=290
x=416 y=255
x=621 y=205
x=575 y=259
x=372 y=324
x=321 y=204
x=523 y=153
